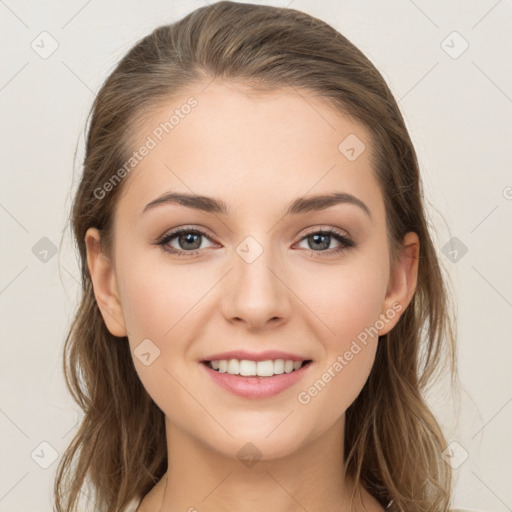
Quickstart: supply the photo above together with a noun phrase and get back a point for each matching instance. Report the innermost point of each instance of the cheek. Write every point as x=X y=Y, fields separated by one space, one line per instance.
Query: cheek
x=347 y=299
x=336 y=385
x=156 y=297
x=161 y=303
x=349 y=357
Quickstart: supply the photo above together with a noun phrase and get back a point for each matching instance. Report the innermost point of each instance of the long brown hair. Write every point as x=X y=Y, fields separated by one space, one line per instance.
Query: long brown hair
x=393 y=443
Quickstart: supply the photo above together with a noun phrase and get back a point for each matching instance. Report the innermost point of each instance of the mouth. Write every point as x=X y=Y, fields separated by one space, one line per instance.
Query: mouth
x=256 y=379
x=249 y=368
x=256 y=375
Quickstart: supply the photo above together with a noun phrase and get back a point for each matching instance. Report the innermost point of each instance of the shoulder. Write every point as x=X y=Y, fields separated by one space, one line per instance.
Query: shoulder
x=463 y=510
x=133 y=505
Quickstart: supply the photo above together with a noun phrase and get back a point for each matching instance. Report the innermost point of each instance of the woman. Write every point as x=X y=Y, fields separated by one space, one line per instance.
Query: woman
x=262 y=303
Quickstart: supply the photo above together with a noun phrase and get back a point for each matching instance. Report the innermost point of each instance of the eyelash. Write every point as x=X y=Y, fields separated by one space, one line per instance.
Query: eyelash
x=345 y=241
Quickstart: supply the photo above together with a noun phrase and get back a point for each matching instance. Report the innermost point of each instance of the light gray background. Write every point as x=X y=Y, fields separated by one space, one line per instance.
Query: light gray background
x=458 y=111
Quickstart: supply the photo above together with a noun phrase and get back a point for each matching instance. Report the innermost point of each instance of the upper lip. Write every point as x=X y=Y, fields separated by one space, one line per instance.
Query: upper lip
x=255 y=356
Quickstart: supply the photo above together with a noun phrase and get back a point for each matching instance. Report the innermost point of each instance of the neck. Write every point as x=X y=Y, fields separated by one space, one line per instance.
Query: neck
x=311 y=478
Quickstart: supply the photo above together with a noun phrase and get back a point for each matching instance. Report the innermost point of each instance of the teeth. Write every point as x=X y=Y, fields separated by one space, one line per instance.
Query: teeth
x=249 y=368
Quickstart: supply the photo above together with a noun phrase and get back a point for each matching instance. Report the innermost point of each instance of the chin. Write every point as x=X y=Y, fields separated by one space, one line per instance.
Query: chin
x=254 y=444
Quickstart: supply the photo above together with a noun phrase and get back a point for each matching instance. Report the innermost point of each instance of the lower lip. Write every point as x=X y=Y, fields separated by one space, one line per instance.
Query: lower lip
x=256 y=387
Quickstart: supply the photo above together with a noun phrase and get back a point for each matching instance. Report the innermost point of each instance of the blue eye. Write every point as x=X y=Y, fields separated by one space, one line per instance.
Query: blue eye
x=190 y=241
x=321 y=239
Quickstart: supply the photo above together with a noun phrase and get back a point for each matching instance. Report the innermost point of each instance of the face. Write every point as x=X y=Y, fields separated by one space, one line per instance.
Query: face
x=246 y=274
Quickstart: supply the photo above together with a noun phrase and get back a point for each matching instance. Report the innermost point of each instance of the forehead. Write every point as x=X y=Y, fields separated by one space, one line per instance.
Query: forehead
x=227 y=140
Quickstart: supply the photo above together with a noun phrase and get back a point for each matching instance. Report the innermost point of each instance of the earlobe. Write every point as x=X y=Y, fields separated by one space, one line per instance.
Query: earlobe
x=105 y=285
x=402 y=283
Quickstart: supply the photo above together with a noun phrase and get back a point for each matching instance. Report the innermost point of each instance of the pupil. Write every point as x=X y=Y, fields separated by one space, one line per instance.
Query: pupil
x=189 y=238
x=325 y=243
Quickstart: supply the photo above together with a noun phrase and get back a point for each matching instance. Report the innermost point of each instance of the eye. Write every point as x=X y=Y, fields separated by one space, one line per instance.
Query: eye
x=189 y=241
x=320 y=240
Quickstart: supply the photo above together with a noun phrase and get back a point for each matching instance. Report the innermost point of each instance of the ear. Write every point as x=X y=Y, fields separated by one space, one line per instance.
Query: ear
x=104 y=284
x=402 y=283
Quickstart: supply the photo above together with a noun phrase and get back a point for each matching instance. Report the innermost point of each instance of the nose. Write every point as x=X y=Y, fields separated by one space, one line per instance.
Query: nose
x=255 y=292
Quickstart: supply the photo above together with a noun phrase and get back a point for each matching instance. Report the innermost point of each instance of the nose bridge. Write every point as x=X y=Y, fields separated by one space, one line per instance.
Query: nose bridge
x=256 y=292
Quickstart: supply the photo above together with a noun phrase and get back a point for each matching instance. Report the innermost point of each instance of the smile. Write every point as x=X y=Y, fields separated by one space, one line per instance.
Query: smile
x=243 y=378
x=248 y=368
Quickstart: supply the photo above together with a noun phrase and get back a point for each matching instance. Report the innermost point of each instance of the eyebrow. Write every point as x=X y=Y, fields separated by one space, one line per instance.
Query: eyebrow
x=299 y=205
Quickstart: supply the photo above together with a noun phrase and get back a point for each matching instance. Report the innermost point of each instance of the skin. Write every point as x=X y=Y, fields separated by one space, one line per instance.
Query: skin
x=256 y=152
